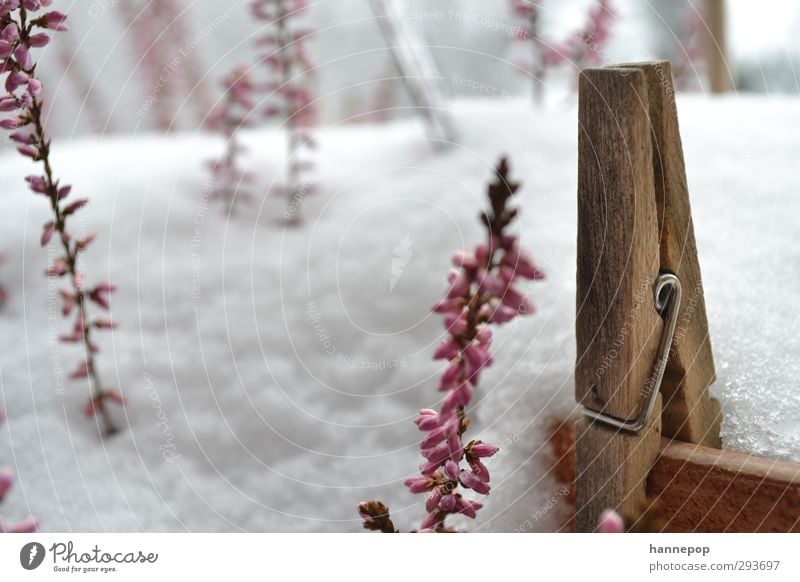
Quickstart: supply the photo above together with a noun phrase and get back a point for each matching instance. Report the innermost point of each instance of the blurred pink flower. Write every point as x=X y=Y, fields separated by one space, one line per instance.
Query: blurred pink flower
x=28 y=525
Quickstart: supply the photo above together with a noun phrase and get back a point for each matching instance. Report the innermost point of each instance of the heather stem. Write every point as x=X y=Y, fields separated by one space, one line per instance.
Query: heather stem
x=291 y=129
x=70 y=251
x=229 y=159
x=71 y=254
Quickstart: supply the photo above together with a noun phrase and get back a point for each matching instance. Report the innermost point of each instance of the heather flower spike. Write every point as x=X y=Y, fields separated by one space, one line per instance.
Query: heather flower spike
x=231 y=182
x=28 y=525
x=287 y=64
x=482 y=291
x=22 y=28
x=583 y=48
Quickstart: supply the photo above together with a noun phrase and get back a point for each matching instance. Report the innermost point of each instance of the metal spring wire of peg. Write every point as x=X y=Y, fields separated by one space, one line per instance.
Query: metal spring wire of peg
x=667 y=299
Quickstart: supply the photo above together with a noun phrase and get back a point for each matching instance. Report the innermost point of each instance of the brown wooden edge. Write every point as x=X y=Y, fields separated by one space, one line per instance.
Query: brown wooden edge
x=700 y=489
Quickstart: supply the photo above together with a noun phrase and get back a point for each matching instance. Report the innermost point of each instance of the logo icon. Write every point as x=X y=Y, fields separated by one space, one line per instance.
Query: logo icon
x=402 y=256
x=31 y=555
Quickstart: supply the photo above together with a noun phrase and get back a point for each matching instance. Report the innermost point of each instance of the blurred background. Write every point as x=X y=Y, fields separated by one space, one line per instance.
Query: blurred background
x=155 y=65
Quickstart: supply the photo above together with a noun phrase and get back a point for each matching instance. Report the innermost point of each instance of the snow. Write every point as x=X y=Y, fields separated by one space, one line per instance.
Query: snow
x=272 y=374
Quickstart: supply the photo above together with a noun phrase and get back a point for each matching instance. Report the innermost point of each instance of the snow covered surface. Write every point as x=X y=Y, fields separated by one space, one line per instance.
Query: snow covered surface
x=273 y=374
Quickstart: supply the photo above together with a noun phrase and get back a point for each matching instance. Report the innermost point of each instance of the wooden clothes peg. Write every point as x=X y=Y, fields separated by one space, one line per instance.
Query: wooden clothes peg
x=641 y=324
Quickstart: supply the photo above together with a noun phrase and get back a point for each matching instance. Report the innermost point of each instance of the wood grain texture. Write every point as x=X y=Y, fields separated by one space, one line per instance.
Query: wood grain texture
x=706 y=490
x=689 y=413
x=700 y=489
x=617 y=327
x=612 y=469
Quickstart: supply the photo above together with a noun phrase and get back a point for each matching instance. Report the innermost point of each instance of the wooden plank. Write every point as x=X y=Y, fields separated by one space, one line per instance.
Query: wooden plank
x=689 y=413
x=612 y=468
x=706 y=490
x=617 y=327
x=719 y=77
x=700 y=489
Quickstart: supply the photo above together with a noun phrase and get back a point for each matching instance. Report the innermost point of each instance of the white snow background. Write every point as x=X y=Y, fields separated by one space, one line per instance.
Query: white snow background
x=280 y=391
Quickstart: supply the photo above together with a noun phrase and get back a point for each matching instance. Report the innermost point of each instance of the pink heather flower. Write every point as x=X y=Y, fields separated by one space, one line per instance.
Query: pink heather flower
x=418 y=484
x=428 y=419
x=29 y=525
x=479 y=290
x=472 y=481
x=482 y=282
x=22 y=30
x=468 y=508
x=54 y=20
x=39 y=40
x=430 y=520
x=6 y=481
x=448 y=503
x=435 y=436
x=477 y=356
x=580 y=49
x=465 y=260
x=82 y=371
x=450 y=376
x=85 y=240
x=480 y=470
x=447 y=350
x=451 y=470
x=433 y=499
x=455 y=323
x=502 y=314
x=47 y=233
x=459 y=283
x=480 y=449
x=37 y=184
x=437 y=453
x=75 y=206
x=456 y=448
x=459 y=396
x=446 y=306
x=610 y=522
